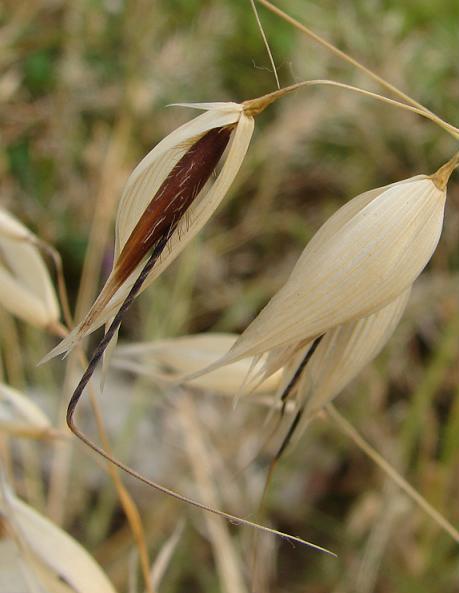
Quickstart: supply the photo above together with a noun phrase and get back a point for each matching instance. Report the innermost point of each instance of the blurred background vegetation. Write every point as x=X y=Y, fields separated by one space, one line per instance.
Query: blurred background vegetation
x=84 y=86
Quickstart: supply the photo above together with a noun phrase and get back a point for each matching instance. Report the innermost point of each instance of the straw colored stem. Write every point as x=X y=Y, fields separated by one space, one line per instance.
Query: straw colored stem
x=341 y=54
x=255 y=106
x=61 y=286
x=100 y=228
x=265 y=41
x=129 y=507
x=346 y=427
x=226 y=558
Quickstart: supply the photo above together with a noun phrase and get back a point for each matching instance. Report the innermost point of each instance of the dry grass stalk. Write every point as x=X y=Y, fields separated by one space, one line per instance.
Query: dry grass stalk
x=345 y=426
x=227 y=559
x=164 y=556
x=168 y=361
x=355 y=63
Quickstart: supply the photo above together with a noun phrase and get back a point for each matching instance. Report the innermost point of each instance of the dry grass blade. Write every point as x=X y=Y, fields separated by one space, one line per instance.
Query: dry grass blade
x=165 y=554
x=346 y=427
x=347 y=58
x=16 y=406
x=19 y=416
x=129 y=506
x=227 y=560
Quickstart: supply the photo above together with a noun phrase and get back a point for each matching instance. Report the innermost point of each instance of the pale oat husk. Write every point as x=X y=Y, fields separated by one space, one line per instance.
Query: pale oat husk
x=170 y=359
x=146 y=179
x=362 y=259
x=54 y=562
x=19 y=415
x=26 y=290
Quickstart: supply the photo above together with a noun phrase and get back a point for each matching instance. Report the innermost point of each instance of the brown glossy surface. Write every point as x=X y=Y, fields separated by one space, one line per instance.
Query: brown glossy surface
x=173 y=198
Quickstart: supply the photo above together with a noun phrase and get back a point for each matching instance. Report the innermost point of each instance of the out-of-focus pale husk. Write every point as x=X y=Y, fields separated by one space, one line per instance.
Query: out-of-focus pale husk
x=57 y=562
x=12 y=228
x=142 y=185
x=19 y=415
x=169 y=360
x=26 y=290
x=361 y=259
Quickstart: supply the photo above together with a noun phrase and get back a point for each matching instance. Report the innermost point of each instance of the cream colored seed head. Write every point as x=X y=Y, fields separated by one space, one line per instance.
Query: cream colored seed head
x=364 y=257
x=145 y=181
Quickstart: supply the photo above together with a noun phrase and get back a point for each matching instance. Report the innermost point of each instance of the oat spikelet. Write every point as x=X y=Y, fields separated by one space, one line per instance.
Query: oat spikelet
x=170 y=195
x=361 y=263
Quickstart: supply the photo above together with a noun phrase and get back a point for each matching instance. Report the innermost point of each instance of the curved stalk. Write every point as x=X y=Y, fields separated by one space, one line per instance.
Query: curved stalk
x=255 y=106
x=343 y=55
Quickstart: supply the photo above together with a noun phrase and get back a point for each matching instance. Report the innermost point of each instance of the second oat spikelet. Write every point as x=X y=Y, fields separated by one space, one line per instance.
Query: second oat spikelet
x=365 y=257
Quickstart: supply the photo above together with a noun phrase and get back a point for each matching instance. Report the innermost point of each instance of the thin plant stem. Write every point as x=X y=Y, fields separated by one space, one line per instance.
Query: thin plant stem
x=129 y=507
x=60 y=279
x=343 y=55
x=255 y=106
x=97 y=355
x=11 y=350
x=284 y=398
x=227 y=559
x=346 y=427
x=265 y=41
